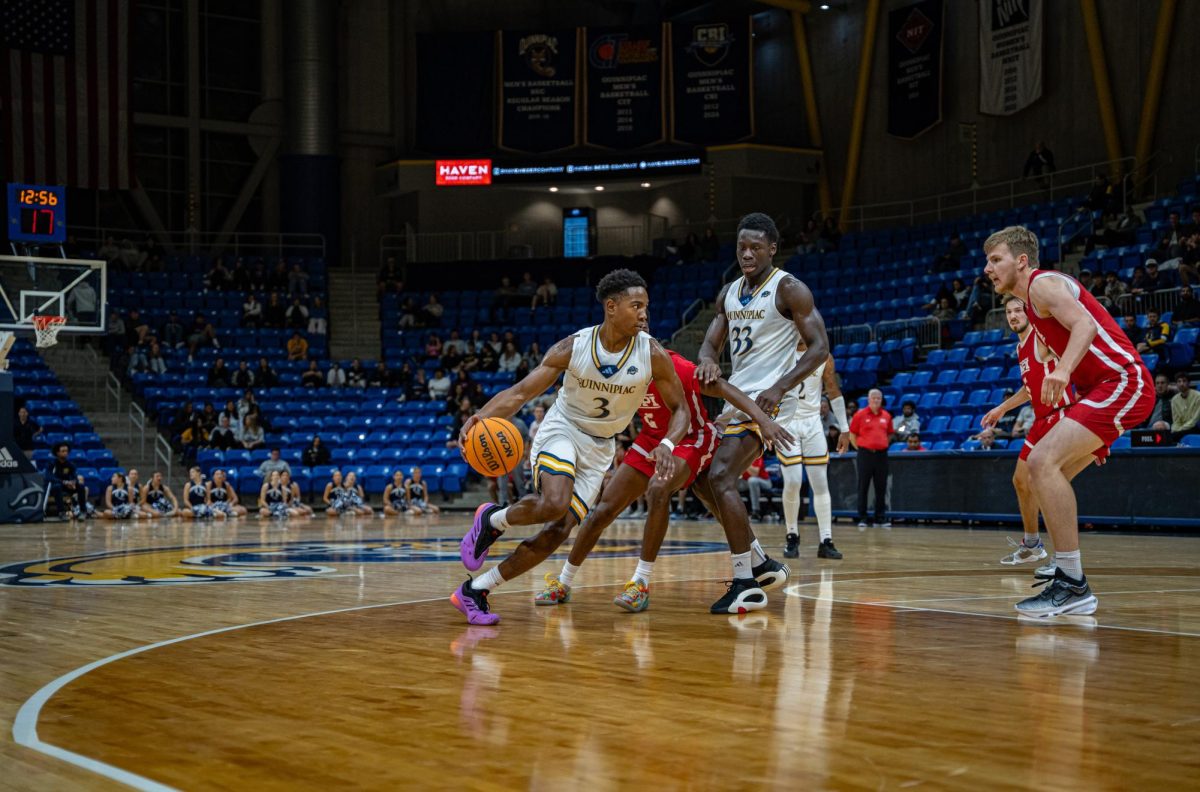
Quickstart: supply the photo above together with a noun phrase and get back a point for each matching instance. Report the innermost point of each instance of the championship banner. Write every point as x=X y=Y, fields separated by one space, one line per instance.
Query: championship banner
x=623 y=101
x=538 y=89
x=1010 y=55
x=914 y=68
x=712 y=82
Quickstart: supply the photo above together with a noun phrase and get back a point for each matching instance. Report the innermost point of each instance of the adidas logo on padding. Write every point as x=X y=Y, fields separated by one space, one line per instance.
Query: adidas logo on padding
x=6 y=459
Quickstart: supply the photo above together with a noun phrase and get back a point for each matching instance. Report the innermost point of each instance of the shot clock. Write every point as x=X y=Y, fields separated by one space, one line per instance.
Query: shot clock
x=37 y=213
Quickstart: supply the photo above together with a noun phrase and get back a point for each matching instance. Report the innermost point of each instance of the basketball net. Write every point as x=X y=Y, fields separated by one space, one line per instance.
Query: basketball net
x=46 y=328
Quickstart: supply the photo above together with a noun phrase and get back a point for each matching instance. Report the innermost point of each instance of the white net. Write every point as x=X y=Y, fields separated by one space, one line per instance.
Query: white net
x=46 y=329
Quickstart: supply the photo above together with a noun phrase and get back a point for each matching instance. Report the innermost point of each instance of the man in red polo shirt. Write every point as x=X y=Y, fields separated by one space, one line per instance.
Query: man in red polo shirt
x=871 y=434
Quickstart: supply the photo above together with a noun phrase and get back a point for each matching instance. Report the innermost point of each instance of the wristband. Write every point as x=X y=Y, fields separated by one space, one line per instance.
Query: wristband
x=838 y=407
x=670 y=446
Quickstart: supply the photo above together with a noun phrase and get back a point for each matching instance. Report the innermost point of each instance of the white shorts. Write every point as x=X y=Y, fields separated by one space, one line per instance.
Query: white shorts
x=741 y=423
x=560 y=449
x=810 y=447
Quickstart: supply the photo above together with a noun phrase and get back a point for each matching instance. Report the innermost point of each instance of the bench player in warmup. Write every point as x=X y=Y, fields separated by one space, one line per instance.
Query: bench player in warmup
x=1114 y=391
x=1035 y=362
x=635 y=477
x=764 y=315
x=606 y=370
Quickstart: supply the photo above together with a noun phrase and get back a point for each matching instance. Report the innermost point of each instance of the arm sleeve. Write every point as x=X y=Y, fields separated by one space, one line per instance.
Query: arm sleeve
x=838 y=408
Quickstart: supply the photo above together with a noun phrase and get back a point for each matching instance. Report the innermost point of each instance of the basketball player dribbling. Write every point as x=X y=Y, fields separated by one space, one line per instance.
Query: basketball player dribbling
x=764 y=315
x=1114 y=391
x=635 y=477
x=606 y=370
x=1035 y=362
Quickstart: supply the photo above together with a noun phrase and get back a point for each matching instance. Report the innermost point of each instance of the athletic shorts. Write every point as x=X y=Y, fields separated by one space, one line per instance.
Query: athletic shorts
x=1111 y=407
x=810 y=446
x=740 y=423
x=696 y=450
x=1043 y=425
x=561 y=449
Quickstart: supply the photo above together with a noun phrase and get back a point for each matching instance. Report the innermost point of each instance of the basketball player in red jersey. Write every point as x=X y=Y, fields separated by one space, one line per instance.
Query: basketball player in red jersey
x=1114 y=391
x=1035 y=362
x=635 y=476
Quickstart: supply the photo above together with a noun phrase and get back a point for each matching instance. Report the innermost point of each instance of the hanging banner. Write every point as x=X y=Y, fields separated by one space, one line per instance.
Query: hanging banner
x=914 y=68
x=624 y=97
x=1010 y=55
x=538 y=89
x=712 y=82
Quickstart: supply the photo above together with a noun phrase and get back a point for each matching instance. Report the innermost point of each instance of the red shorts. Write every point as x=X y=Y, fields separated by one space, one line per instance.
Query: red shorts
x=696 y=450
x=1043 y=425
x=1108 y=409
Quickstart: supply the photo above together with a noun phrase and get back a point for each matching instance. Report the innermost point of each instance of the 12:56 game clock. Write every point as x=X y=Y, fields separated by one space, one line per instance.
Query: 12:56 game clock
x=37 y=213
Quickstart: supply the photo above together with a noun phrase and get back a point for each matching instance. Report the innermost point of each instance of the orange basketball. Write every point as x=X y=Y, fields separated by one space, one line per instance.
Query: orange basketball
x=494 y=447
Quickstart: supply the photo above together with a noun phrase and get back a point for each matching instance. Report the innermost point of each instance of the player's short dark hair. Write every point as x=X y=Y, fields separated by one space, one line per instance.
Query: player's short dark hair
x=909 y=403
x=757 y=221
x=618 y=281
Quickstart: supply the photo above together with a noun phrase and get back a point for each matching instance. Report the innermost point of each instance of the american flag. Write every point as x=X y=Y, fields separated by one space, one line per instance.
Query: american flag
x=65 y=88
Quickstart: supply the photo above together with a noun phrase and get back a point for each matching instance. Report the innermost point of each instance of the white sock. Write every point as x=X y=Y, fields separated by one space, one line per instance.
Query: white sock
x=793 y=479
x=644 y=570
x=488 y=581
x=742 y=565
x=818 y=478
x=757 y=552
x=499 y=520
x=1031 y=540
x=1070 y=563
x=568 y=573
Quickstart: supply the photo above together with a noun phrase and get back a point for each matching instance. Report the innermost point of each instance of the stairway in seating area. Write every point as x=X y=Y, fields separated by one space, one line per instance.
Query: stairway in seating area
x=353 y=315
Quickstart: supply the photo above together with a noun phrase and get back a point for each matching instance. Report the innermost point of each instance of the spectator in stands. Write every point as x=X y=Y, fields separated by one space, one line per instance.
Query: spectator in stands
x=950 y=258
x=504 y=297
x=202 y=334
x=265 y=375
x=277 y=279
x=510 y=358
x=243 y=377
x=252 y=311
x=408 y=314
x=913 y=443
x=959 y=292
x=418 y=386
x=906 y=423
x=389 y=274
x=1173 y=236
x=1114 y=290
x=223 y=437
x=757 y=482
x=528 y=287
x=170 y=334
x=313 y=378
x=208 y=419
x=231 y=412
x=158 y=365
x=831 y=236
x=1156 y=280
x=1136 y=336
x=980 y=302
x=26 y=431
x=1160 y=416
x=219 y=278
x=316 y=454
x=1185 y=407
x=827 y=418
x=539 y=415
x=454 y=344
x=1040 y=161
x=258 y=278
x=871 y=435
x=252 y=436
x=380 y=376
x=489 y=358
x=533 y=355
x=297 y=347
x=809 y=237
x=275 y=312
x=1158 y=334
x=109 y=250
x=240 y=275
x=193 y=436
x=218 y=375
x=336 y=376
x=67 y=487
x=297 y=282
x=1098 y=198
x=432 y=311
x=248 y=405
x=82 y=302
x=986 y=438
x=356 y=377
x=1187 y=312
x=297 y=315
x=945 y=311
x=710 y=245
x=138 y=361
x=1137 y=285
x=273 y=464
x=461 y=414
x=439 y=386
x=1022 y=424
x=317 y=322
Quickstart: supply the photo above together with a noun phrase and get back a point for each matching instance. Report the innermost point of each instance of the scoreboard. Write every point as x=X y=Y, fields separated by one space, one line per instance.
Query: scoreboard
x=37 y=213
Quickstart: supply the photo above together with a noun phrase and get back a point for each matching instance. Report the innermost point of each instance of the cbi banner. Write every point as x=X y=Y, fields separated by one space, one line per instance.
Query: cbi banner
x=914 y=68
x=1010 y=55
x=538 y=89
x=712 y=84
x=624 y=97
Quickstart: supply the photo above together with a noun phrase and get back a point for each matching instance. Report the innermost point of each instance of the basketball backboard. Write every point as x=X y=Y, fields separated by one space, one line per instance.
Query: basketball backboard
x=74 y=288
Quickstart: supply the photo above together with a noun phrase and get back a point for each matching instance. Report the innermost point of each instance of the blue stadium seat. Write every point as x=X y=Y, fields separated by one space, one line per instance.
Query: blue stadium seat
x=945 y=445
x=1190 y=441
x=1121 y=442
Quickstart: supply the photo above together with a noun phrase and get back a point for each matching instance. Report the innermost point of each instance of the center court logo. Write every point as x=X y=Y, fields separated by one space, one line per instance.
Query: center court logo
x=290 y=560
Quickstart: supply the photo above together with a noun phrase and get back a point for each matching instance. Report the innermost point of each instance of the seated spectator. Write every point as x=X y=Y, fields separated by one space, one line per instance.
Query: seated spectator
x=297 y=280
x=949 y=260
x=273 y=464
x=450 y=358
x=904 y=424
x=138 y=362
x=297 y=347
x=252 y=434
x=317 y=453
x=109 y=251
x=218 y=375
x=528 y=287
x=252 y=311
x=1157 y=280
x=827 y=419
x=1098 y=198
x=317 y=322
x=248 y=405
x=243 y=377
x=1158 y=334
x=1136 y=336
x=546 y=294
x=833 y=436
x=264 y=375
x=1187 y=312
x=986 y=438
x=408 y=314
x=158 y=365
x=503 y=297
x=313 y=378
x=67 y=487
x=380 y=376
x=404 y=376
x=356 y=377
x=1114 y=290
x=433 y=312
x=202 y=334
x=757 y=481
x=913 y=443
x=1023 y=423
x=192 y=436
x=1173 y=237
x=418 y=387
x=297 y=315
x=433 y=347
x=960 y=293
x=208 y=418
x=1185 y=407
x=26 y=431
x=489 y=358
x=495 y=343
x=277 y=278
x=1163 y=393
x=454 y=344
x=808 y=238
x=945 y=311
x=439 y=386
x=240 y=275
x=219 y=277
x=510 y=359
x=170 y=334
x=388 y=276
x=1138 y=284
x=231 y=412
x=533 y=355
x=223 y=437
x=336 y=376
x=274 y=312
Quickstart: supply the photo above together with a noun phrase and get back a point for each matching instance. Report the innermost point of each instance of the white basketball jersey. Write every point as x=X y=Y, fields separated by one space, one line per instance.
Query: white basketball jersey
x=762 y=341
x=809 y=393
x=601 y=391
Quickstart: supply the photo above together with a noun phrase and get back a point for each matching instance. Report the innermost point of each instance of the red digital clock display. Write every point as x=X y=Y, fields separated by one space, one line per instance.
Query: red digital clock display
x=37 y=213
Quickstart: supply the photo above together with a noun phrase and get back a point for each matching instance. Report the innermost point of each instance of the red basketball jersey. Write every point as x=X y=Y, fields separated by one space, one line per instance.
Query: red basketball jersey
x=1033 y=374
x=655 y=415
x=1111 y=356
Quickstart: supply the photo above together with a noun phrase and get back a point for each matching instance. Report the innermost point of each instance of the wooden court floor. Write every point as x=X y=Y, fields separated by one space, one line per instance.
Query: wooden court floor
x=325 y=654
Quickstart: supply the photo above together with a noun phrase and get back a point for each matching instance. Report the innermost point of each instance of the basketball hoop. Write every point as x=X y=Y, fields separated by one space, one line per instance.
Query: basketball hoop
x=46 y=328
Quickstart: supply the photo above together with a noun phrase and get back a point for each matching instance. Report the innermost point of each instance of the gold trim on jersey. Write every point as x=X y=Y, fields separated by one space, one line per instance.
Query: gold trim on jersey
x=758 y=288
x=578 y=507
x=596 y=355
x=788 y=461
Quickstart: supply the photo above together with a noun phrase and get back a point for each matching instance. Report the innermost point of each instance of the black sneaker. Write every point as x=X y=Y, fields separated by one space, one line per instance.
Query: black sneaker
x=1060 y=597
x=792 y=548
x=770 y=574
x=744 y=595
x=827 y=550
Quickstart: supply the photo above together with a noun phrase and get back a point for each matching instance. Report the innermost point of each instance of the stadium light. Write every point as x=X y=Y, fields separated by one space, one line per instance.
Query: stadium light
x=645 y=184
x=553 y=189
x=599 y=188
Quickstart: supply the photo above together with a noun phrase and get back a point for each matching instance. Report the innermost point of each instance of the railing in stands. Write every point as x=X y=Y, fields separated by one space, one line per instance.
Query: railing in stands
x=1159 y=301
x=164 y=453
x=430 y=247
x=112 y=390
x=207 y=243
x=850 y=334
x=927 y=330
x=137 y=419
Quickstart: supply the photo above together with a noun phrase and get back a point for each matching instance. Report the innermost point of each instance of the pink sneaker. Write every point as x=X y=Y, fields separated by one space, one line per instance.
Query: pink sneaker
x=473 y=549
x=473 y=604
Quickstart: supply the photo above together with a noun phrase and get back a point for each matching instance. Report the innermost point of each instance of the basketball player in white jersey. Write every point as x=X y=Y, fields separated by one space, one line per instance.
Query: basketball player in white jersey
x=764 y=315
x=606 y=371
x=810 y=454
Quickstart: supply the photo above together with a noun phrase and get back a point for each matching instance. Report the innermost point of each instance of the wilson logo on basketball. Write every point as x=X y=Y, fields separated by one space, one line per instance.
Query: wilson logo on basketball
x=487 y=454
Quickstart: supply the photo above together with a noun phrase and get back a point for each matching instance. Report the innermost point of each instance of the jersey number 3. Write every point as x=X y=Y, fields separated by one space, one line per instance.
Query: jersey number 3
x=602 y=410
x=741 y=340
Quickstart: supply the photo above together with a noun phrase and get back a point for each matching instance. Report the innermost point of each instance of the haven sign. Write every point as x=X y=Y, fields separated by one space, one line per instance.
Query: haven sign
x=459 y=172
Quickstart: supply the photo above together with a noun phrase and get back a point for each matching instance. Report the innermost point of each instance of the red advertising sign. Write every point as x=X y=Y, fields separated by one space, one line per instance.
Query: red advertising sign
x=456 y=172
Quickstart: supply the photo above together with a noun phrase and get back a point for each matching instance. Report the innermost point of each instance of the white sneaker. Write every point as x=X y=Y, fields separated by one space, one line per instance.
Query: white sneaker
x=1046 y=571
x=1024 y=553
